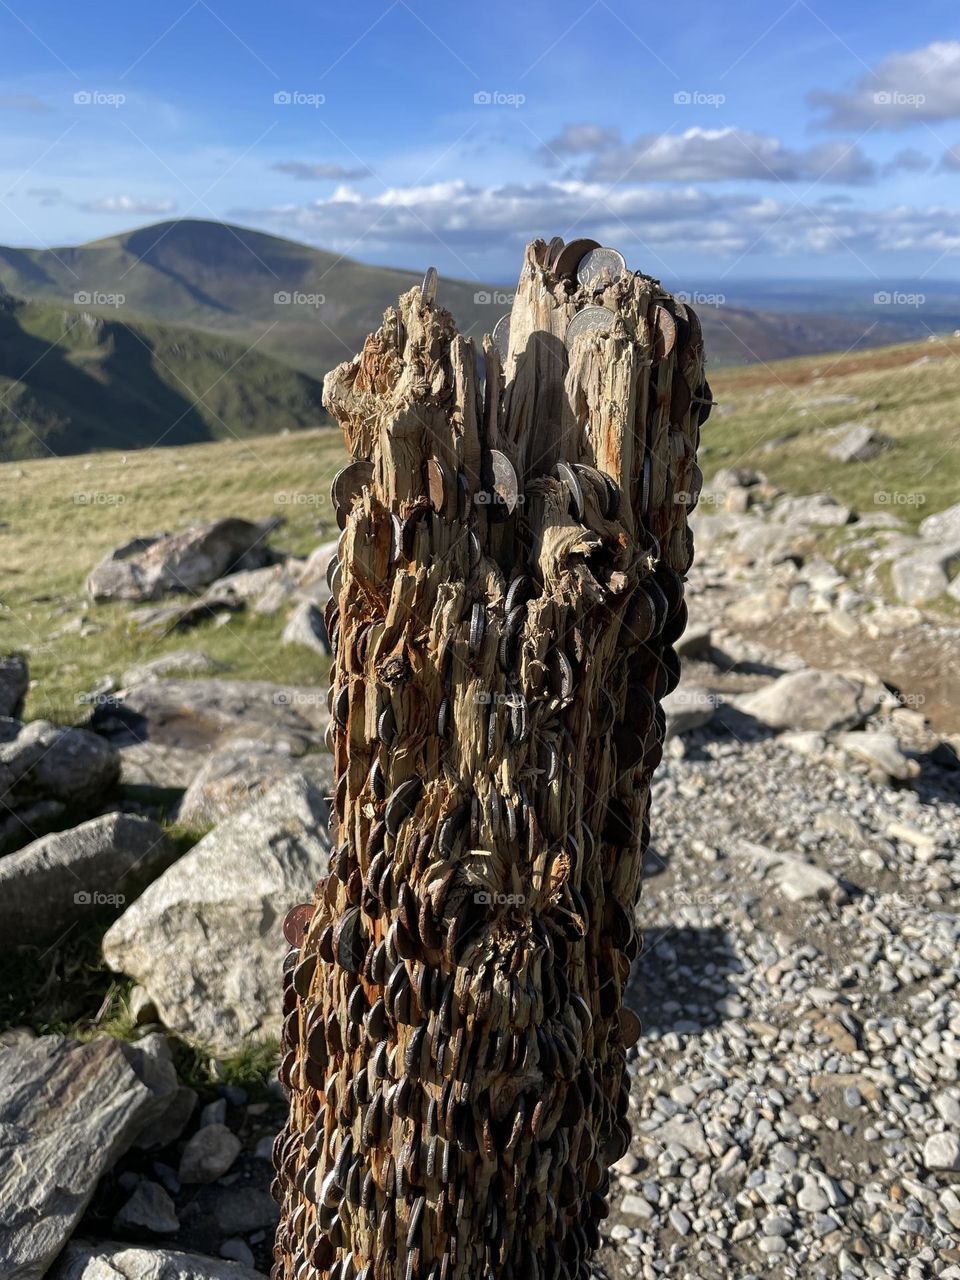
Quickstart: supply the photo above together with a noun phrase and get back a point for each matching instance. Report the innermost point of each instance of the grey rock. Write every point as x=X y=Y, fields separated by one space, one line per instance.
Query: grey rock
x=688 y=707
x=306 y=628
x=237 y=1250
x=68 y=1111
x=83 y=874
x=148 y=1209
x=797 y=880
x=110 y=1261
x=14 y=683
x=148 y=568
x=189 y=662
x=233 y=778
x=947 y=1106
x=926 y=574
x=253 y=584
x=205 y=937
x=154 y=764
x=859 y=443
x=811 y=699
x=164 y=620
x=214 y=1113
x=811 y=1197
x=941 y=1152
x=209 y=1154
x=244 y=1209
x=43 y=764
x=812 y=510
x=881 y=753
x=686 y=1131
x=195 y=715
x=942 y=526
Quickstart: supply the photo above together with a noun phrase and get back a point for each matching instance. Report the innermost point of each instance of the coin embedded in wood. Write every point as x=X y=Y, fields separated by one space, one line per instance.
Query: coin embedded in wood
x=645 y=494
x=599 y=264
x=568 y=479
x=552 y=252
x=295 y=923
x=506 y=486
x=570 y=255
x=501 y=336
x=589 y=320
x=348 y=484
x=666 y=331
x=428 y=290
x=439 y=485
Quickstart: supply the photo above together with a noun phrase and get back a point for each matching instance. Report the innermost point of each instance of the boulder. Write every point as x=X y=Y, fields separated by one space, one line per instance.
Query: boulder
x=234 y=777
x=688 y=707
x=941 y=1152
x=107 y=1261
x=811 y=699
x=54 y=769
x=165 y=619
x=942 y=526
x=926 y=574
x=77 y=875
x=209 y=1154
x=881 y=753
x=148 y=568
x=811 y=509
x=182 y=662
x=14 y=682
x=318 y=562
x=205 y=938
x=197 y=715
x=796 y=880
x=252 y=584
x=148 y=1209
x=306 y=627
x=859 y=443
x=68 y=1111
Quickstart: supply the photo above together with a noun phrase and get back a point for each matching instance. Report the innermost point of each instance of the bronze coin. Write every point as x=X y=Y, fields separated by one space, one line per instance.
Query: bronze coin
x=295 y=923
x=348 y=484
x=439 y=485
x=569 y=257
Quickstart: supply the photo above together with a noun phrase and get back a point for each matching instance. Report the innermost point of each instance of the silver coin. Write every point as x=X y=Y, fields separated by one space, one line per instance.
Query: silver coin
x=348 y=484
x=501 y=336
x=568 y=479
x=596 y=264
x=332 y=568
x=428 y=290
x=589 y=320
x=506 y=486
x=645 y=495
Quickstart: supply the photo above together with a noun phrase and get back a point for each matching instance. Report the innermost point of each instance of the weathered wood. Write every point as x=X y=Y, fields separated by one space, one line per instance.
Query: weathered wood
x=455 y=1037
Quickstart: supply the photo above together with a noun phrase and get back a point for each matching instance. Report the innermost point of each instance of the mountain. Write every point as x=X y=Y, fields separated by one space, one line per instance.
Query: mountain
x=226 y=279
x=72 y=381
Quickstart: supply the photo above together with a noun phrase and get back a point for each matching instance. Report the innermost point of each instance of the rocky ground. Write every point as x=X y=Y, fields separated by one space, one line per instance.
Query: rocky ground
x=796 y=1103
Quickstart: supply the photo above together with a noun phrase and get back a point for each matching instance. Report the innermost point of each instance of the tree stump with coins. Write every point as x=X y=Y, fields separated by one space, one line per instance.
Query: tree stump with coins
x=507 y=592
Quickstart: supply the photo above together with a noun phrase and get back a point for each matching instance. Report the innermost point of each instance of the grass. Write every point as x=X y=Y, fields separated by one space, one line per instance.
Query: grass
x=917 y=405
x=61 y=516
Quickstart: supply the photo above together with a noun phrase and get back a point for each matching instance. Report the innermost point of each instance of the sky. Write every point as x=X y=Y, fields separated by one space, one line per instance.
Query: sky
x=724 y=142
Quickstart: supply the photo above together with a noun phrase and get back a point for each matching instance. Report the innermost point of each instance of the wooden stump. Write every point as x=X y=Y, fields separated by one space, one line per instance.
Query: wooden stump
x=508 y=590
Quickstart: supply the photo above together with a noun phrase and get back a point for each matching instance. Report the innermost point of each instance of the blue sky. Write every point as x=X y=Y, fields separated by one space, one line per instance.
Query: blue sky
x=728 y=142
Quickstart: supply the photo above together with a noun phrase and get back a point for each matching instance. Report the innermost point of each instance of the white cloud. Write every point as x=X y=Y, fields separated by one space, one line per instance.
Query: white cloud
x=909 y=160
x=306 y=172
x=474 y=219
x=22 y=102
x=128 y=205
x=709 y=155
x=904 y=90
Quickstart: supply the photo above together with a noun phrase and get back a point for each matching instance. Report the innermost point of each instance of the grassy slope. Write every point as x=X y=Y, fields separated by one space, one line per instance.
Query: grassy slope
x=71 y=382
x=769 y=419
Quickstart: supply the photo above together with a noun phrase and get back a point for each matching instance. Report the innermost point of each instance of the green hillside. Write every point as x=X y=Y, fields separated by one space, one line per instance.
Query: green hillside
x=73 y=380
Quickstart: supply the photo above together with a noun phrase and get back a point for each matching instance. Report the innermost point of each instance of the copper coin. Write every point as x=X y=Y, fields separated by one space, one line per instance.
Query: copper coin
x=438 y=485
x=569 y=258
x=295 y=923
